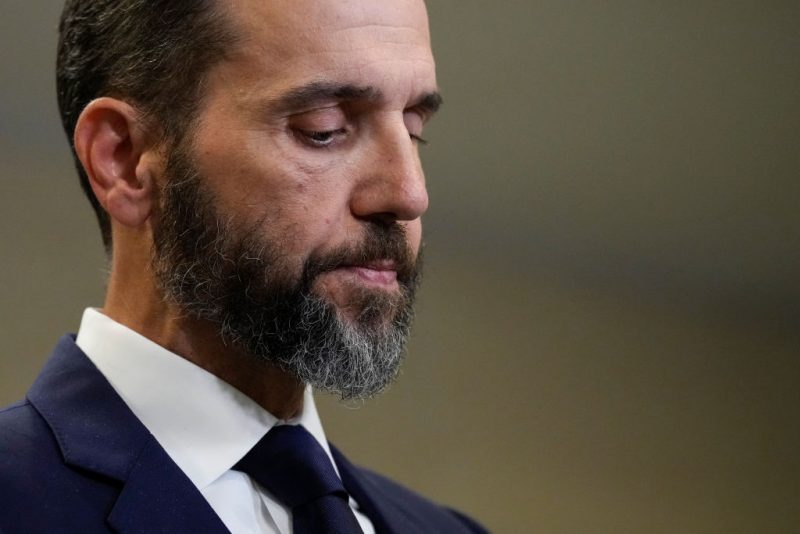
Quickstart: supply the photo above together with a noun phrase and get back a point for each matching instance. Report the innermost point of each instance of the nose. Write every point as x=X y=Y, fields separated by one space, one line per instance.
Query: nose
x=392 y=184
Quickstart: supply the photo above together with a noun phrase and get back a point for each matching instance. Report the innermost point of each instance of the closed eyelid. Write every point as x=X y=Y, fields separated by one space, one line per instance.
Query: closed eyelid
x=319 y=139
x=324 y=119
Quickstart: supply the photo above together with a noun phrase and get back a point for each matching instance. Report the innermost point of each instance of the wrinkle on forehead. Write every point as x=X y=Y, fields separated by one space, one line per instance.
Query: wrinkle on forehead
x=302 y=22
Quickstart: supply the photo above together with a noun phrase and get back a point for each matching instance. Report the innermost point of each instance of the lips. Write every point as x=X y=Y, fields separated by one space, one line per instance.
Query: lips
x=382 y=259
x=382 y=272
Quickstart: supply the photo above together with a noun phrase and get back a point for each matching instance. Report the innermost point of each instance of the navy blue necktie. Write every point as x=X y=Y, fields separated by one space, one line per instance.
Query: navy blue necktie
x=292 y=465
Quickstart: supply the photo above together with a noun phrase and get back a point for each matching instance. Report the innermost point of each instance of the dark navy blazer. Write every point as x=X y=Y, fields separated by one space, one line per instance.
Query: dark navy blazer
x=75 y=459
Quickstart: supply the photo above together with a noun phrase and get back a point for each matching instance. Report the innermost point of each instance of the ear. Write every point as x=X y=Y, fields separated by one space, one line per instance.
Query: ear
x=115 y=152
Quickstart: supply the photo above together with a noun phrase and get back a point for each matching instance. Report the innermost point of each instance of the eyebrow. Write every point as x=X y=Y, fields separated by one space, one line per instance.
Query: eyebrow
x=306 y=96
x=430 y=103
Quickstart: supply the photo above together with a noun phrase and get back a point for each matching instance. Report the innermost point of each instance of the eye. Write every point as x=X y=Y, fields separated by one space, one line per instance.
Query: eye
x=320 y=139
x=418 y=139
x=320 y=127
x=414 y=124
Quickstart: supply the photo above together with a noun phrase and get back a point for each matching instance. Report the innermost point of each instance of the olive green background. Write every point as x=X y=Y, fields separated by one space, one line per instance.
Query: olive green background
x=608 y=336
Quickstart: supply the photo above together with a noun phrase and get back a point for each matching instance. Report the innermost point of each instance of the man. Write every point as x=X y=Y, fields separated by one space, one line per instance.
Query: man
x=254 y=169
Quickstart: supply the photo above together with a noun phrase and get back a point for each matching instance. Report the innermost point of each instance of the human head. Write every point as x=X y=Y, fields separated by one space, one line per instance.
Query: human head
x=298 y=180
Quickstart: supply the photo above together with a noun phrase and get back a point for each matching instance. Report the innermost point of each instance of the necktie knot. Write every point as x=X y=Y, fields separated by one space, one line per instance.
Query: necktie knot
x=293 y=466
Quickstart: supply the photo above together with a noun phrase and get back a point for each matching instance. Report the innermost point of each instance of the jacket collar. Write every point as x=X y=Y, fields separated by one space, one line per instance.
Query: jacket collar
x=97 y=432
x=386 y=516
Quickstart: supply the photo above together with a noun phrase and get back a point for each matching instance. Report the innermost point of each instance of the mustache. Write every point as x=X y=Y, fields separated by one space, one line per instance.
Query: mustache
x=379 y=243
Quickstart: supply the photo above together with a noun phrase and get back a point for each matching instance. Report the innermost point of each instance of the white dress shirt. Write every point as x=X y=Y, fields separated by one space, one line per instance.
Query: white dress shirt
x=204 y=424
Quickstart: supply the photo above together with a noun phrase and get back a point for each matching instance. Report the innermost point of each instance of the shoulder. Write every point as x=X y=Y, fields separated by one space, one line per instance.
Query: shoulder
x=29 y=453
x=420 y=506
x=401 y=508
x=23 y=435
x=39 y=491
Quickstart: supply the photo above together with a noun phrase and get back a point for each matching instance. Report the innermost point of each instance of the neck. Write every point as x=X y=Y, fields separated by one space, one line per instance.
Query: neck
x=133 y=300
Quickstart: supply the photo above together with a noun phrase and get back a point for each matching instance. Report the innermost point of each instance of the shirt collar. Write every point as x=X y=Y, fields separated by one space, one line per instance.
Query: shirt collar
x=204 y=424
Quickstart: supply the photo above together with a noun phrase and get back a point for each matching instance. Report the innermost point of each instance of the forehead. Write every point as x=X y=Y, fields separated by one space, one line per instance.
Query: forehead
x=319 y=13
x=382 y=43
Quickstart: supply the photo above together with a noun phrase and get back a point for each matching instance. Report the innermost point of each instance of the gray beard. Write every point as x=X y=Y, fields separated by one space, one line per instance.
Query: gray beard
x=234 y=278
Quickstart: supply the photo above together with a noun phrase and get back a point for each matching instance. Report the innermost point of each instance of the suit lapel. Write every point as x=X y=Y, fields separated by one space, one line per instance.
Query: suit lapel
x=96 y=431
x=157 y=499
x=387 y=517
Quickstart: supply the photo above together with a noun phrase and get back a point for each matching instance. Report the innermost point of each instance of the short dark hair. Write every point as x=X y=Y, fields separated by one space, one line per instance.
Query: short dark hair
x=151 y=53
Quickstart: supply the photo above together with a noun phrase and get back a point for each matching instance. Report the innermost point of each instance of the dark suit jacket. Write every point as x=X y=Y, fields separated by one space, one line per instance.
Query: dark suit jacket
x=74 y=458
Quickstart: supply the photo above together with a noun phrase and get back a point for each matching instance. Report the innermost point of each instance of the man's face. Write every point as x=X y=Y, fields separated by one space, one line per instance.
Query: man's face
x=300 y=187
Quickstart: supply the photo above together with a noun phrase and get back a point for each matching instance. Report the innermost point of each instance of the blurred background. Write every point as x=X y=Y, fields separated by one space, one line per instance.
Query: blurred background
x=608 y=338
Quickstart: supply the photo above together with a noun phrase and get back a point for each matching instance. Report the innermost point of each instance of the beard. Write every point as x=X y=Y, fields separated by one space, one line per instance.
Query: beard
x=216 y=269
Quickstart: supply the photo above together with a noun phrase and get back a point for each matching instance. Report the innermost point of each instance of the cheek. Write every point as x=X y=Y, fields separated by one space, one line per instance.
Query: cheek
x=302 y=218
x=414 y=235
x=288 y=196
